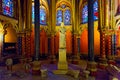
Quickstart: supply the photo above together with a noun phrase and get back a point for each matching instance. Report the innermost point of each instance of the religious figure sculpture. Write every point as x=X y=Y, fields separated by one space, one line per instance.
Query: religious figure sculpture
x=62 y=38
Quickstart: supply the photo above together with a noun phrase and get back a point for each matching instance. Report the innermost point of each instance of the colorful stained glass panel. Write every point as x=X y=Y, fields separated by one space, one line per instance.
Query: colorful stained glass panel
x=67 y=17
x=42 y=16
x=7 y=7
x=95 y=6
x=33 y=17
x=85 y=14
x=59 y=17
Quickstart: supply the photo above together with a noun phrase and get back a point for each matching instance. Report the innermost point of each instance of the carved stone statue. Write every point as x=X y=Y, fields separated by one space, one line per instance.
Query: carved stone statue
x=62 y=38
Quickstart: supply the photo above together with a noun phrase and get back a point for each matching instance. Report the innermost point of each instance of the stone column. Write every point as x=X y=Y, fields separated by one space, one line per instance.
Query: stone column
x=90 y=31
x=111 y=48
x=19 y=43
x=103 y=60
x=102 y=23
x=75 y=24
x=108 y=46
x=53 y=25
x=37 y=29
x=91 y=64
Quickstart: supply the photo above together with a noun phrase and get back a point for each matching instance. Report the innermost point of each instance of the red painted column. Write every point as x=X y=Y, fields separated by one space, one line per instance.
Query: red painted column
x=53 y=58
x=75 y=50
x=103 y=60
x=108 y=45
x=109 y=50
x=28 y=46
x=102 y=45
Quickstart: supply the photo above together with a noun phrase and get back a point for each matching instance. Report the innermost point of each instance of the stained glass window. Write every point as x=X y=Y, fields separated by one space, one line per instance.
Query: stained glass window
x=67 y=17
x=85 y=14
x=33 y=17
x=95 y=10
x=59 y=17
x=42 y=15
x=7 y=7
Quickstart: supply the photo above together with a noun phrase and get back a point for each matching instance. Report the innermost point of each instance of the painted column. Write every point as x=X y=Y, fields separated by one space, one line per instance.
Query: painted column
x=102 y=45
x=108 y=46
x=90 y=30
x=37 y=29
x=19 y=44
x=53 y=25
x=78 y=46
x=28 y=44
x=75 y=23
x=91 y=64
x=101 y=27
x=114 y=44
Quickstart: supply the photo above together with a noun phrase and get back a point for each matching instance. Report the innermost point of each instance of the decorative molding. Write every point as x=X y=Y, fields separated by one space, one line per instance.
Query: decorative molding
x=11 y=20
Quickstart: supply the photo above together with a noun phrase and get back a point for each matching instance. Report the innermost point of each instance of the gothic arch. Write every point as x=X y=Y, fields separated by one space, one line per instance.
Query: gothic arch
x=64 y=6
x=14 y=26
x=117 y=25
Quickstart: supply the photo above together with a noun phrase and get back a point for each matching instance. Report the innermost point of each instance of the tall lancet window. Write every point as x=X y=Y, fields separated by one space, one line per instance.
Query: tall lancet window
x=7 y=7
x=42 y=15
x=63 y=15
x=85 y=14
x=59 y=17
x=95 y=10
x=67 y=17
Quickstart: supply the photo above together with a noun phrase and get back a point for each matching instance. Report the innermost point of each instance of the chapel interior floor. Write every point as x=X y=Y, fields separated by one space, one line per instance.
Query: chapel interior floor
x=19 y=69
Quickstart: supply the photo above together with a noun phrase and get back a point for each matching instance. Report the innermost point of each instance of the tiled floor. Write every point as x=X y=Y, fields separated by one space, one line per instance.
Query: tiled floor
x=19 y=74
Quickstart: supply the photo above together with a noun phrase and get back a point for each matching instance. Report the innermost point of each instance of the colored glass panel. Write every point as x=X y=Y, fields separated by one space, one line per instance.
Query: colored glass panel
x=42 y=15
x=85 y=14
x=59 y=17
x=67 y=17
x=33 y=17
x=95 y=6
x=7 y=7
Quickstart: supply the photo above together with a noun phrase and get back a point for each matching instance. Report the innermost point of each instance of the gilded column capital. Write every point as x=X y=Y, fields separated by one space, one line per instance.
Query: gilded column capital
x=20 y=34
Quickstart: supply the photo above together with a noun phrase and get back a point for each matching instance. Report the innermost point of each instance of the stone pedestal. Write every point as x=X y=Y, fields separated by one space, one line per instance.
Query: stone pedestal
x=62 y=63
x=92 y=67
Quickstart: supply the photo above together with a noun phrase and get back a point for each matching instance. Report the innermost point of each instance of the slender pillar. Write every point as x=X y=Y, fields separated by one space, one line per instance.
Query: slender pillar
x=111 y=49
x=75 y=23
x=53 y=24
x=108 y=45
x=90 y=30
x=102 y=44
x=91 y=64
x=19 y=44
x=37 y=29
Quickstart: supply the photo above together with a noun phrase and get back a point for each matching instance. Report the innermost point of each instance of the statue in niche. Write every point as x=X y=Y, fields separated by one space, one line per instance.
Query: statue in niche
x=62 y=38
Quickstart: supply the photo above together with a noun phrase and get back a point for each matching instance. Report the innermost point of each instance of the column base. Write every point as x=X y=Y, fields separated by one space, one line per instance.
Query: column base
x=75 y=59
x=92 y=67
x=53 y=59
x=111 y=62
x=102 y=63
